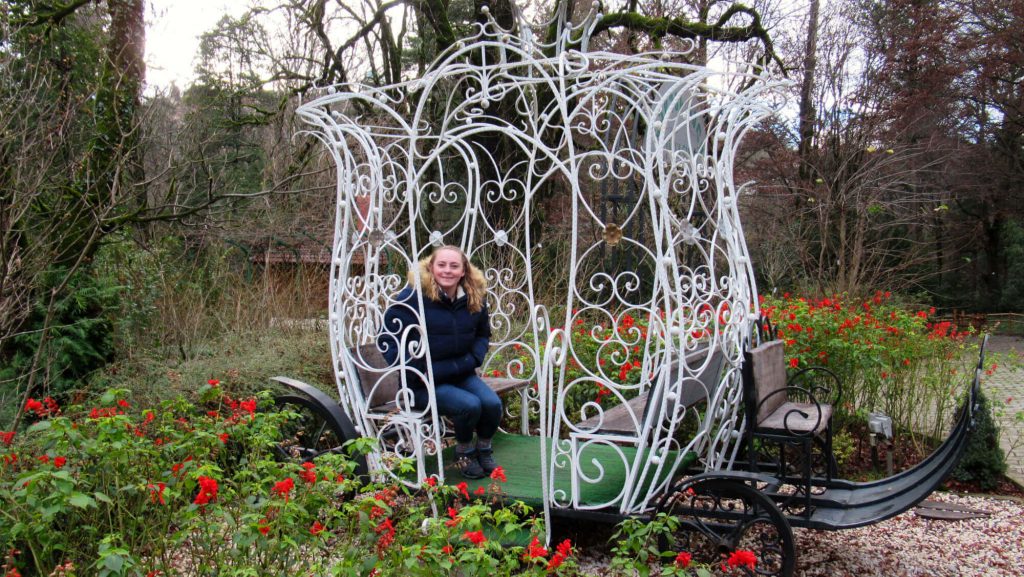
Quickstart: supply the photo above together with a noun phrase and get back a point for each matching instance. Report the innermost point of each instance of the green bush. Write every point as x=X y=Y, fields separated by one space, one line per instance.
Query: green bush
x=78 y=340
x=983 y=461
x=183 y=489
x=903 y=363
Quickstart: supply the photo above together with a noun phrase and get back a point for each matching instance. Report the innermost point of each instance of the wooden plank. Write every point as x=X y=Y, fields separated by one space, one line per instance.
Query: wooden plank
x=929 y=509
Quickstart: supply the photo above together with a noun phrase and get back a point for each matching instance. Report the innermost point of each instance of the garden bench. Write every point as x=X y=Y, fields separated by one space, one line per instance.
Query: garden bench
x=782 y=412
x=621 y=419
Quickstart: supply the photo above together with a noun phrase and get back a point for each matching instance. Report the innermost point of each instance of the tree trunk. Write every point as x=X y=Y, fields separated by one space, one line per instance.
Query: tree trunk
x=807 y=112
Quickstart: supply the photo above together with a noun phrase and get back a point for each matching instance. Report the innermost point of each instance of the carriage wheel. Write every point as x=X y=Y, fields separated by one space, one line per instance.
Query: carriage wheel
x=313 y=433
x=720 y=516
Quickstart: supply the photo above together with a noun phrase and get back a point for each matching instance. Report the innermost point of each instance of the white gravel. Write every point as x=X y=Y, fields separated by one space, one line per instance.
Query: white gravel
x=907 y=545
x=912 y=546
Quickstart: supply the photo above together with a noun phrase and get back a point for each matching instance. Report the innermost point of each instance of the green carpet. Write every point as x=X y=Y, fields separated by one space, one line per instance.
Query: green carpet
x=519 y=456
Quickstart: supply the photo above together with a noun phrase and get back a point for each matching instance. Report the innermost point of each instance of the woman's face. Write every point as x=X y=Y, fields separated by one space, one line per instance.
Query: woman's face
x=448 y=270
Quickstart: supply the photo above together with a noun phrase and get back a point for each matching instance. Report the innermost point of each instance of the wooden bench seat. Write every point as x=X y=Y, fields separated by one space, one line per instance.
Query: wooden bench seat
x=620 y=418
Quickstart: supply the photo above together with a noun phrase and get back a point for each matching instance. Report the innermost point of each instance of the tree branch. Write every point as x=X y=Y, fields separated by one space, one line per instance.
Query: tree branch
x=659 y=27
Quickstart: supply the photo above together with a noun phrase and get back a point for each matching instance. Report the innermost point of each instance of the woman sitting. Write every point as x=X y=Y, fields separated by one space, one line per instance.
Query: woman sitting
x=458 y=334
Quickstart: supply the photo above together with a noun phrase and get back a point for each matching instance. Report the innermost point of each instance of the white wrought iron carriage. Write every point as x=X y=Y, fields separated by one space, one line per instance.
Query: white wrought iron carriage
x=519 y=151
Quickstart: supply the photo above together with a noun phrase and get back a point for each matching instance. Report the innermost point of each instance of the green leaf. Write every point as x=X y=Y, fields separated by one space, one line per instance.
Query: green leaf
x=40 y=426
x=114 y=563
x=81 y=500
x=103 y=497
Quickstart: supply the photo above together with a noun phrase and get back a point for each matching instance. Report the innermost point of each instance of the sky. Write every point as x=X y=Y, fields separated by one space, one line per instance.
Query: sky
x=173 y=28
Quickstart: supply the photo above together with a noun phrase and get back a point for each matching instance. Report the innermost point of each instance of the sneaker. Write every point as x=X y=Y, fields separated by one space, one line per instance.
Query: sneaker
x=468 y=465
x=486 y=459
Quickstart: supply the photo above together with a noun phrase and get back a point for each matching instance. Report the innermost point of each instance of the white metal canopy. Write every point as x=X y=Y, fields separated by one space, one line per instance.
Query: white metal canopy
x=627 y=161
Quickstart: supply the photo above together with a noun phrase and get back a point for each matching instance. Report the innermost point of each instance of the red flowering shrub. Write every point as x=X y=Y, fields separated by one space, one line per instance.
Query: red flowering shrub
x=889 y=359
x=159 y=491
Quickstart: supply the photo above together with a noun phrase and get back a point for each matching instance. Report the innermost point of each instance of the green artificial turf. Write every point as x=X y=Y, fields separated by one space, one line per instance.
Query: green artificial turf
x=519 y=456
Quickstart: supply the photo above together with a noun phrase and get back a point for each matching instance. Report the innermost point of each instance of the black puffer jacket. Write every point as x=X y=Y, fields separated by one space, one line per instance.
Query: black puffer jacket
x=458 y=339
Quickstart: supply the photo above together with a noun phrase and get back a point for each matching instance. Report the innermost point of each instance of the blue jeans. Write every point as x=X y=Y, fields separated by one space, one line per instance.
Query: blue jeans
x=470 y=404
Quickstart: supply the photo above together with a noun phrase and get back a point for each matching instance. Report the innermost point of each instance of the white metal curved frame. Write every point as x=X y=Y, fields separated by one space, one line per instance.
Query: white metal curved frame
x=663 y=274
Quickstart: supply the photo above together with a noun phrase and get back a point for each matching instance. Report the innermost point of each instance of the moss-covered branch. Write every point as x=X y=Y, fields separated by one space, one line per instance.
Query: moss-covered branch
x=50 y=13
x=658 y=28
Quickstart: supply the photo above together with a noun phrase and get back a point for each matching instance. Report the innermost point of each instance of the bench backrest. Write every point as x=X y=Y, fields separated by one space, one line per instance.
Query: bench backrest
x=764 y=373
x=379 y=387
x=703 y=389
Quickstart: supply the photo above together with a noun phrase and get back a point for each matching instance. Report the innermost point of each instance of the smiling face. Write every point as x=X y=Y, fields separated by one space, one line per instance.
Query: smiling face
x=448 y=270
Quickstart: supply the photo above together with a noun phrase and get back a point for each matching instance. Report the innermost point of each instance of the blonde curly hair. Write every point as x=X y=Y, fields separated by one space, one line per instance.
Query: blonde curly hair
x=473 y=282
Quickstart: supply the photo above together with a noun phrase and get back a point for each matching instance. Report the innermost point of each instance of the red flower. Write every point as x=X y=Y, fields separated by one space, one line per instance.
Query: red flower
x=386 y=530
x=123 y=403
x=213 y=382
x=35 y=406
x=284 y=488
x=7 y=437
x=176 y=469
x=454 y=517
x=464 y=489
x=535 y=550
x=102 y=413
x=316 y=529
x=307 y=474
x=498 y=474
x=562 y=552
x=742 y=557
x=480 y=490
x=475 y=537
x=683 y=560
x=264 y=526
x=207 y=490
x=447 y=549
x=249 y=406
x=156 y=492
x=223 y=437
x=430 y=481
x=794 y=363
x=59 y=462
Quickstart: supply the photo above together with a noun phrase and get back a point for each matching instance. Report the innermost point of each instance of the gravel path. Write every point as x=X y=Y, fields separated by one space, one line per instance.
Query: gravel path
x=905 y=546
x=911 y=546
